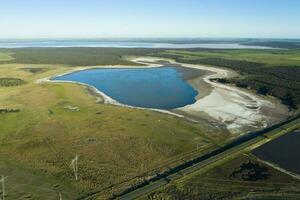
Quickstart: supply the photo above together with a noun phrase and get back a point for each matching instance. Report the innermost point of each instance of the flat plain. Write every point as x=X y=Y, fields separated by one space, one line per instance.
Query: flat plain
x=114 y=144
x=117 y=146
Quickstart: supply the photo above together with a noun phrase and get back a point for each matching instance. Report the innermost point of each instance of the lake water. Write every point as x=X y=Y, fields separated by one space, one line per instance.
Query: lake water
x=119 y=44
x=283 y=151
x=161 y=88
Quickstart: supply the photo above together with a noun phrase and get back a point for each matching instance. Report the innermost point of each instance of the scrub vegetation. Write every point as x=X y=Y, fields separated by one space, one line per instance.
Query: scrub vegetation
x=9 y=82
x=241 y=178
x=73 y=56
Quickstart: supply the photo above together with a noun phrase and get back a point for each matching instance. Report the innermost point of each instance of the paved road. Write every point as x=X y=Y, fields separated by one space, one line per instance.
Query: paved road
x=231 y=149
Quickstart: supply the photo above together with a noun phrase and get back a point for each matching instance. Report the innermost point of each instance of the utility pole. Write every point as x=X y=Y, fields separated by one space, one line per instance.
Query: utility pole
x=2 y=180
x=198 y=146
x=60 y=197
x=74 y=165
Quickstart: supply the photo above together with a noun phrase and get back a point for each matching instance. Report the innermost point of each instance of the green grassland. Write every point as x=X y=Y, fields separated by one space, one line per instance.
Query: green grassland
x=232 y=180
x=114 y=144
x=117 y=146
x=5 y=56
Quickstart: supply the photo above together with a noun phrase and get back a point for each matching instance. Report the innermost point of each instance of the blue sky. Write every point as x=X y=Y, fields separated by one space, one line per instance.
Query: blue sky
x=149 y=18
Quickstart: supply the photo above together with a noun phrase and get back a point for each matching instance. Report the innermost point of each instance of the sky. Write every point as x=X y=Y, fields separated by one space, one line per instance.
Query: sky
x=149 y=18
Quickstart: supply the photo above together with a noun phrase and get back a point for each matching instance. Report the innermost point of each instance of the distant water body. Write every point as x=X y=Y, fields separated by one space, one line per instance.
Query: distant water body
x=160 y=88
x=119 y=44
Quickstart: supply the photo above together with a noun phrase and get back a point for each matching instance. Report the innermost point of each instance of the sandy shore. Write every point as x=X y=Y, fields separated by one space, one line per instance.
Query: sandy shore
x=218 y=104
x=238 y=110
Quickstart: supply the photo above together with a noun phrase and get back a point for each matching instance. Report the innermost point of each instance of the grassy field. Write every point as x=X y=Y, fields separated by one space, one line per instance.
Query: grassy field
x=45 y=125
x=5 y=56
x=113 y=143
x=241 y=178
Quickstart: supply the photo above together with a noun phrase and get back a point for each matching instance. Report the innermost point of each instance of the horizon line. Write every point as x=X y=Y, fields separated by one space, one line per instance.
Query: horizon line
x=148 y=38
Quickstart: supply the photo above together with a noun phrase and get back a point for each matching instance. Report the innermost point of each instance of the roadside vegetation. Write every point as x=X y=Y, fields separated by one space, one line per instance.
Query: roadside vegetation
x=241 y=178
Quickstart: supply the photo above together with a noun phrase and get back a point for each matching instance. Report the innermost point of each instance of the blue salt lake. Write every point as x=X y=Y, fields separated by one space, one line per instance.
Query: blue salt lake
x=160 y=88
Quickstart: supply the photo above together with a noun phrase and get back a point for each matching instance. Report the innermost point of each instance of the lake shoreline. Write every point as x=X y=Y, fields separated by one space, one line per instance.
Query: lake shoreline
x=237 y=109
x=206 y=105
x=100 y=96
